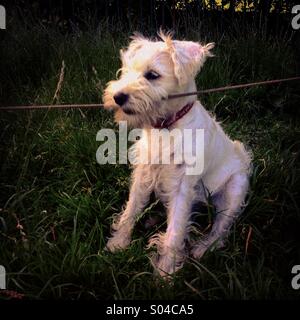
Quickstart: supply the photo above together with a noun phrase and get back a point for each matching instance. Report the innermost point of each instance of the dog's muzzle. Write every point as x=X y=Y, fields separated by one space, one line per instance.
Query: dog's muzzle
x=121 y=98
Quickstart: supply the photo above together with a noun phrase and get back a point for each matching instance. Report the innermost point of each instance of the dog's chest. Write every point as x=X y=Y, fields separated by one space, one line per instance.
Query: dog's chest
x=159 y=147
x=156 y=153
x=164 y=179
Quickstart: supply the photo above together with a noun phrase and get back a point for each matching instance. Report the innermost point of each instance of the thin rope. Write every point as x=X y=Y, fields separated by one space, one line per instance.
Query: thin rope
x=172 y=96
x=237 y=86
x=52 y=106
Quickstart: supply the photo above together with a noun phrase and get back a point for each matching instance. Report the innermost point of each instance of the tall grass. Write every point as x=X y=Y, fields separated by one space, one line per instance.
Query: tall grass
x=56 y=202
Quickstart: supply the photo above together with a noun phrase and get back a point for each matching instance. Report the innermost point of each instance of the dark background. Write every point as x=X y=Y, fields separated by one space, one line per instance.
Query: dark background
x=57 y=202
x=155 y=13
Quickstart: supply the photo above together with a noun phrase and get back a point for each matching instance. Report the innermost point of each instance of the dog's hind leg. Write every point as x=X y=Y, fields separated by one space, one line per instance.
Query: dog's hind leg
x=138 y=197
x=229 y=205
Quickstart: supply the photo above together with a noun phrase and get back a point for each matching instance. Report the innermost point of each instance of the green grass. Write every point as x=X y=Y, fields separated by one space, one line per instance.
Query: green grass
x=51 y=184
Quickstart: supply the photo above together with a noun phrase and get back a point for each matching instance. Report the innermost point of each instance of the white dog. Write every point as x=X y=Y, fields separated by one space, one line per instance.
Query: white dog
x=152 y=70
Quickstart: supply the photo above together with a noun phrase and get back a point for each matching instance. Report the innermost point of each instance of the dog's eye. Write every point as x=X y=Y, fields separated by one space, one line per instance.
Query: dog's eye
x=151 y=75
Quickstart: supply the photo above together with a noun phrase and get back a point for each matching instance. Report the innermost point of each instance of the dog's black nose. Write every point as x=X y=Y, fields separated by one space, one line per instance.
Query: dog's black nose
x=121 y=98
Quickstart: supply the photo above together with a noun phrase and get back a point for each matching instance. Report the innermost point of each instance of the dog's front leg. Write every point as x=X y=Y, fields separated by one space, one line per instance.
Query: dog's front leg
x=138 y=197
x=171 y=245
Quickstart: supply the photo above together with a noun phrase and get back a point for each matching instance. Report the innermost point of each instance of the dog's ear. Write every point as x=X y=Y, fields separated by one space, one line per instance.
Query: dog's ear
x=188 y=58
x=122 y=56
x=137 y=42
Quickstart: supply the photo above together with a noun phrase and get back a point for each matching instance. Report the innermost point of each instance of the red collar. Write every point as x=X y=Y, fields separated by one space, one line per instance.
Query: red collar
x=167 y=122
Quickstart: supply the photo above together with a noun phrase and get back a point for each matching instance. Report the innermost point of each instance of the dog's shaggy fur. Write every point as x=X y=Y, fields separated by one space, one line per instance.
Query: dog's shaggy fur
x=173 y=66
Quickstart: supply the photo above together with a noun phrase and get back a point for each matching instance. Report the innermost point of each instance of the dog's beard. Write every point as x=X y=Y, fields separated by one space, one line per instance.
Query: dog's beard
x=143 y=108
x=135 y=117
x=139 y=113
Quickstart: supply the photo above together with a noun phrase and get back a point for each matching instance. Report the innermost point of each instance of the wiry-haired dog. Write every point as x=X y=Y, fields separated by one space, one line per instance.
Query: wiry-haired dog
x=152 y=70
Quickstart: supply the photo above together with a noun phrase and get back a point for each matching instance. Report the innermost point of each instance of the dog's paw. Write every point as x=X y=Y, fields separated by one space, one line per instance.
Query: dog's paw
x=201 y=247
x=167 y=265
x=198 y=251
x=117 y=242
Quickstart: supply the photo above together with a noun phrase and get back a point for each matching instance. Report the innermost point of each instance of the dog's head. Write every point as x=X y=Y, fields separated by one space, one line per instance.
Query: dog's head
x=151 y=70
